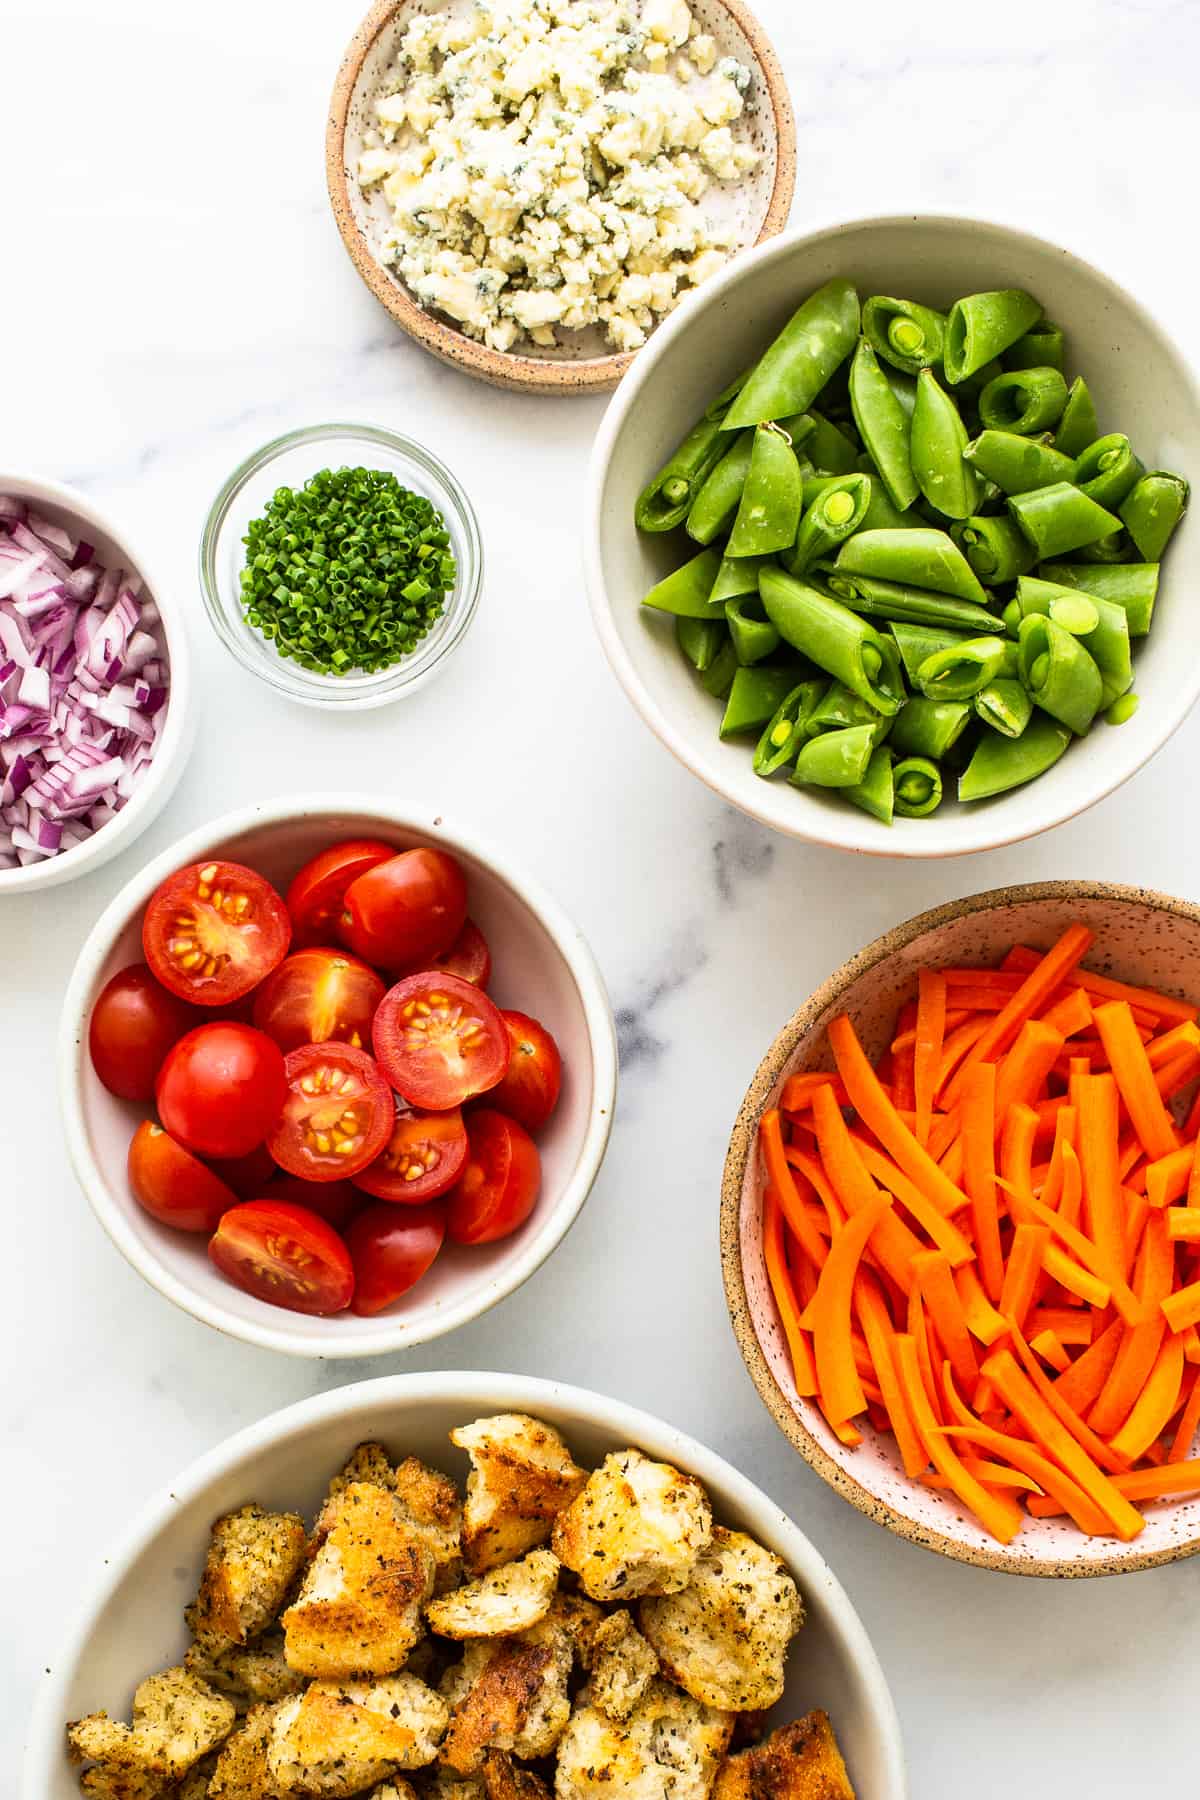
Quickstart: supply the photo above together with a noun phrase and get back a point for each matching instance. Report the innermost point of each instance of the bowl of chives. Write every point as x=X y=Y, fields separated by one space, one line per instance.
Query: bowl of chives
x=341 y=620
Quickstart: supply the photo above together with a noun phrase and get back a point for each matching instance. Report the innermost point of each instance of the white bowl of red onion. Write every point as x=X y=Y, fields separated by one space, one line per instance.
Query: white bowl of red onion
x=94 y=673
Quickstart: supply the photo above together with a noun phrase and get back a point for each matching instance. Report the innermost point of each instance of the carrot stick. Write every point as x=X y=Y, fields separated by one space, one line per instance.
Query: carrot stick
x=983 y=1321
x=879 y=1115
x=936 y=1284
x=1072 y=1325
x=895 y=1245
x=1135 y=1078
x=1078 y=1281
x=798 y=1089
x=1070 y=1205
x=1001 y=1518
x=1165 y=1179
x=1049 y=1346
x=814 y=1174
x=1020 y=1076
x=779 y=1175
x=1137 y=1211
x=1100 y=1452
x=992 y=1474
x=1016 y=1149
x=975 y=999
x=1086 y=1253
x=1162 y=1006
x=1064 y=1133
x=1029 y=998
x=1096 y=1135
x=927 y=1050
x=1070 y=1015
x=1024 y=1455
x=1182 y=1308
x=1183 y=1224
x=944 y=1232
x=1176 y=1074
x=881 y=1335
x=1140 y=1347
x=1081 y=1385
x=1021 y=1272
x=957 y=1044
x=1024 y=1400
x=1189 y=1425
x=1002 y=979
x=1158 y=1484
x=1154 y=1406
x=803 y=1368
x=1170 y=1044
x=839 y=1387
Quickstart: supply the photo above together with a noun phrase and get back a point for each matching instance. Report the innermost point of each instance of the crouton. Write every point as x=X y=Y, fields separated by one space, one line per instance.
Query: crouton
x=725 y=1638
x=800 y=1761
x=250 y=1677
x=509 y=1696
x=396 y=1789
x=503 y=1779
x=340 y=1737
x=176 y=1720
x=622 y=1664
x=580 y=1618
x=368 y=1463
x=253 y=1559
x=241 y=1771
x=196 y=1784
x=522 y=1475
x=430 y=1507
x=636 y=1528
x=359 y=1609
x=669 y=1746
x=440 y=1783
x=500 y=1603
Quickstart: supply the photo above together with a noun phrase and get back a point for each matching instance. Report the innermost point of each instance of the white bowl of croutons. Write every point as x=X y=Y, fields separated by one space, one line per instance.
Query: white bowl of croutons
x=564 y=1630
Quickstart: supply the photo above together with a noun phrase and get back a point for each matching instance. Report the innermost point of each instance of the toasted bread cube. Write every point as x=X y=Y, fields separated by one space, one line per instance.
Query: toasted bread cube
x=522 y=1475
x=430 y=1507
x=176 y=1720
x=252 y=1561
x=359 y=1610
x=669 y=1746
x=580 y=1618
x=636 y=1528
x=368 y=1463
x=196 y=1784
x=800 y=1761
x=503 y=1779
x=241 y=1771
x=441 y=1783
x=510 y=1696
x=622 y=1664
x=395 y=1789
x=501 y=1603
x=251 y=1677
x=725 y=1638
x=340 y=1737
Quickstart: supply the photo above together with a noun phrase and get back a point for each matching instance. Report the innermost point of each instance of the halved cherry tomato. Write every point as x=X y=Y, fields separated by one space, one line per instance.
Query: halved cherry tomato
x=468 y=957
x=134 y=1023
x=284 y=1254
x=529 y=1091
x=497 y=1189
x=315 y=897
x=420 y=1160
x=337 y=1114
x=391 y=1248
x=439 y=1040
x=318 y=997
x=404 y=912
x=221 y=1088
x=334 y=1201
x=212 y=932
x=248 y=1175
x=172 y=1184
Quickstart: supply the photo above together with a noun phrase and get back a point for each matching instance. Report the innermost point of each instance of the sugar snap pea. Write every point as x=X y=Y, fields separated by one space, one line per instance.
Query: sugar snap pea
x=701 y=641
x=769 y=509
x=917 y=643
x=1004 y=705
x=908 y=336
x=755 y=697
x=938 y=440
x=1113 y=547
x=1023 y=400
x=925 y=727
x=1062 y=678
x=718 y=407
x=1000 y=763
x=835 y=759
x=982 y=326
x=1060 y=518
x=751 y=632
x=839 y=707
x=665 y=502
x=835 y=512
x=1108 y=469
x=917 y=782
x=882 y=425
x=792 y=371
x=1106 y=638
x=836 y=639
x=875 y=793
x=1017 y=465
x=996 y=548
x=893 y=601
x=831 y=451
x=959 y=671
x=784 y=731
x=1042 y=347
x=717 y=679
x=737 y=575
x=1078 y=426
x=1132 y=586
x=1152 y=509
x=924 y=558
x=686 y=590
x=712 y=511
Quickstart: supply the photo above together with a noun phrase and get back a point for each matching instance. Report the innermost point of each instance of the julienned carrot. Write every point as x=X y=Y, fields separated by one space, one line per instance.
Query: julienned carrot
x=983 y=1321
x=1002 y=1518
x=1075 y=1279
x=1188 y=1426
x=838 y=1384
x=798 y=1089
x=1102 y=1454
x=935 y=1224
x=1162 y=1006
x=1029 y=998
x=1136 y=1208
x=927 y=1051
x=1016 y=1149
x=1169 y=1044
x=880 y=1335
x=1097 y=1130
x=1081 y=1385
x=1024 y=1069
x=1049 y=1346
x=1071 y=1325
x=1182 y=1308
x=1157 y=1484
x=1021 y=1273
x=936 y=1283
x=1024 y=1455
x=1135 y=1078
x=1166 y=1178
x=812 y=1171
x=1070 y=1015
x=1056 y=1174
x=1155 y=1405
x=895 y=1245
x=779 y=1175
x=1183 y=1224
x=1140 y=1346
x=957 y=1044
x=979 y=1173
x=1177 y=1074
x=803 y=1367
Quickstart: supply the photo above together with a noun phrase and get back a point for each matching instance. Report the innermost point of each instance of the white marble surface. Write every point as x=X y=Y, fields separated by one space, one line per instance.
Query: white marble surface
x=173 y=293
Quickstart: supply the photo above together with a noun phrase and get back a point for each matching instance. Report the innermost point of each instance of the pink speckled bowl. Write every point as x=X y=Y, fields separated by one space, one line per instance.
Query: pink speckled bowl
x=1142 y=937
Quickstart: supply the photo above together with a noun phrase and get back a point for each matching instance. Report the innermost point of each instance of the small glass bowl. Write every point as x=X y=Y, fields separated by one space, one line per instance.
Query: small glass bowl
x=289 y=461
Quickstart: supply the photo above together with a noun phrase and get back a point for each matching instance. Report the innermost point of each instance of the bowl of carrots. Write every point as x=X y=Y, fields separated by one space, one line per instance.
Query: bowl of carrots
x=960 y=1229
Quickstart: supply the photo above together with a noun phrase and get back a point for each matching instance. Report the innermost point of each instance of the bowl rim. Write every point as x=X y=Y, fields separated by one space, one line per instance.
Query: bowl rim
x=523 y=373
x=357 y=1339
x=854 y=832
x=292 y=679
x=166 y=766
x=523 y=1393
x=741 y=1147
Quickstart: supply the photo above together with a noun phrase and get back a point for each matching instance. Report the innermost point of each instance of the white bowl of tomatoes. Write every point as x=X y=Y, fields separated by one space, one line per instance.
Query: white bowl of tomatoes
x=335 y=1078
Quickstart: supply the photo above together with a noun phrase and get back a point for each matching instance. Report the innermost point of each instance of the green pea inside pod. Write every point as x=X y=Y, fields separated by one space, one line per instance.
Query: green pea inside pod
x=959 y=671
x=664 y=503
x=917 y=784
x=1025 y=401
x=755 y=697
x=1005 y=706
x=906 y=335
x=996 y=548
x=1061 y=676
x=1108 y=469
x=784 y=731
x=837 y=510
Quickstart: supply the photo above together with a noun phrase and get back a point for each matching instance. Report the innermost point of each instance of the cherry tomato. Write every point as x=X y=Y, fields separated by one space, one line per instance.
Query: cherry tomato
x=212 y=931
x=529 y=1091
x=316 y=895
x=392 y=1247
x=172 y=1184
x=248 y=1175
x=406 y=911
x=221 y=1089
x=497 y=1189
x=318 y=997
x=134 y=1023
x=439 y=1040
x=421 y=1159
x=284 y=1254
x=468 y=957
x=337 y=1114
x=334 y=1201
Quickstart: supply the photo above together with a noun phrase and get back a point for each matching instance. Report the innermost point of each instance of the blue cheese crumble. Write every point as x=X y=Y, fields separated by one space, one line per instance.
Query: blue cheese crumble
x=543 y=164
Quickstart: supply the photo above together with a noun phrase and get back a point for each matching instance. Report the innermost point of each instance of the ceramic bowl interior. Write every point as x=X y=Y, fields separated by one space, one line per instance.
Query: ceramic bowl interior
x=1141 y=937
x=133 y=1623
x=752 y=209
x=542 y=966
x=1142 y=385
x=74 y=511
x=290 y=461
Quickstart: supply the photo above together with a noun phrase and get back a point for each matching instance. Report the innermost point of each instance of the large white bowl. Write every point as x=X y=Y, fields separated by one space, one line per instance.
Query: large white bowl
x=131 y=1622
x=542 y=966
x=1142 y=385
x=66 y=506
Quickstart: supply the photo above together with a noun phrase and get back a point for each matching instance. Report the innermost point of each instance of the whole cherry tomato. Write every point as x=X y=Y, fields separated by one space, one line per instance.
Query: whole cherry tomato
x=317 y=892
x=133 y=1025
x=221 y=1089
x=528 y=1092
x=405 y=912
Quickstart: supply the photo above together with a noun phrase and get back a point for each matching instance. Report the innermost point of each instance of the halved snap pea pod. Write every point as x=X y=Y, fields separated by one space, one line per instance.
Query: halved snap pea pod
x=1079 y=425
x=917 y=783
x=917 y=643
x=835 y=638
x=769 y=509
x=754 y=698
x=839 y=707
x=1114 y=547
x=1062 y=678
x=1060 y=518
x=1131 y=586
x=1000 y=763
x=1108 y=469
x=785 y=729
x=938 y=440
x=791 y=373
x=915 y=606
x=834 y=514
x=983 y=326
x=835 y=759
x=959 y=671
x=1017 y=465
x=665 y=502
x=882 y=425
x=929 y=727
x=717 y=679
x=924 y=558
x=736 y=576
x=701 y=641
x=1005 y=705
x=1041 y=348
x=1100 y=624
x=686 y=590
x=875 y=793
x=996 y=548
x=1152 y=509
x=713 y=509
x=752 y=633
x=1025 y=401
x=908 y=336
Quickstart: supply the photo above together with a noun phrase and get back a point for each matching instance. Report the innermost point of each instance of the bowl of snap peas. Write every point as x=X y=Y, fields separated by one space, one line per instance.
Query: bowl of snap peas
x=888 y=538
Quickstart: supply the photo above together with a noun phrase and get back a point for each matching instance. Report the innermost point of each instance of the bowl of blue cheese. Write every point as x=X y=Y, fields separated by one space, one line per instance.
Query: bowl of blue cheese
x=530 y=186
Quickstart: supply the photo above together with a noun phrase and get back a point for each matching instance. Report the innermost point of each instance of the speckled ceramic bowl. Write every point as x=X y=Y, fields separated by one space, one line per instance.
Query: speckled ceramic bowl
x=756 y=207
x=1142 y=937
